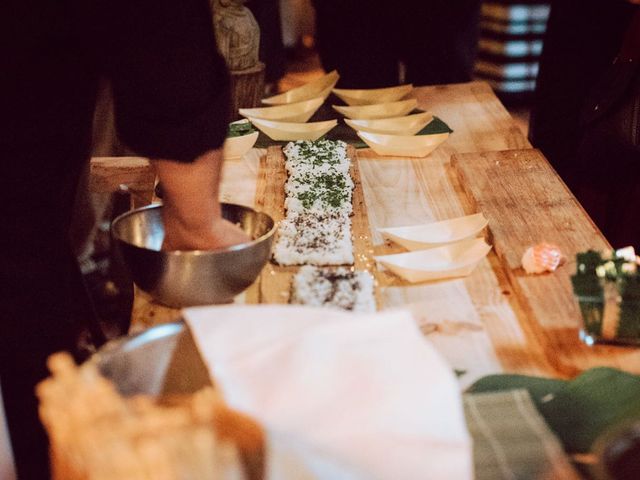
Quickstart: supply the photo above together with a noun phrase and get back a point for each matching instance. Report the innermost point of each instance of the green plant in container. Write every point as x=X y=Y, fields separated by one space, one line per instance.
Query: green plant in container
x=607 y=288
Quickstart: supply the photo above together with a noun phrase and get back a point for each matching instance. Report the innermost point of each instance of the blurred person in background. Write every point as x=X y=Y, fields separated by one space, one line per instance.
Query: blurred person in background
x=272 y=53
x=365 y=41
x=171 y=97
x=581 y=42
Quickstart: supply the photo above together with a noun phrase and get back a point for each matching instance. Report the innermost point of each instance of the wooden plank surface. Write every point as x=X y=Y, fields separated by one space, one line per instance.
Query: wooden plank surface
x=473 y=322
x=478 y=119
x=527 y=203
x=275 y=280
x=480 y=323
x=239 y=187
x=363 y=251
x=107 y=174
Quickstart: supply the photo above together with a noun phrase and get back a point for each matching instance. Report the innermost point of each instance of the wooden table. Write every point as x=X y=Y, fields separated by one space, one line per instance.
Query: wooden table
x=498 y=319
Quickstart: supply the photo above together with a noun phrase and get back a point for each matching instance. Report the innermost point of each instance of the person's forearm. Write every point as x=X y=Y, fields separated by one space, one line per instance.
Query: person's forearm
x=191 y=213
x=190 y=190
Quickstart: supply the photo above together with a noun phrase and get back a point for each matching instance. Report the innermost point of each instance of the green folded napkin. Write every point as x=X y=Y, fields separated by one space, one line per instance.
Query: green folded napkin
x=511 y=439
x=579 y=410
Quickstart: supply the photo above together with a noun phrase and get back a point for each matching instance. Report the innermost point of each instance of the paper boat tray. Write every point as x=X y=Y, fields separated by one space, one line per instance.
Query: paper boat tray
x=454 y=260
x=320 y=87
x=292 y=112
x=379 y=110
x=286 y=131
x=403 y=145
x=435 y=234
x=372 y=95
x=407 y=125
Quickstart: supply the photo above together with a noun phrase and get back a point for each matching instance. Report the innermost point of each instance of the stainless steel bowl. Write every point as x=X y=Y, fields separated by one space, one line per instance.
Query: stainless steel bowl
x=162 y=360
x=188 y=278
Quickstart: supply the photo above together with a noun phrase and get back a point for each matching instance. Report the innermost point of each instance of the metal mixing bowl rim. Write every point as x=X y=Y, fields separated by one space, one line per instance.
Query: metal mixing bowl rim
x=131 y=342
x=232 y=248
x=134 y=340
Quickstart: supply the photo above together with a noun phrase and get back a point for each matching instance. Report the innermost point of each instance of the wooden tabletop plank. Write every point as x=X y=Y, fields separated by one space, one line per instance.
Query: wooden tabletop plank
x=238 y=186
x=481 y=329
x=275 y=280
x=361 y=230
x=527 y=203
x=107 y=174
x=481 y=324
x=475 y=313
x=479 y=121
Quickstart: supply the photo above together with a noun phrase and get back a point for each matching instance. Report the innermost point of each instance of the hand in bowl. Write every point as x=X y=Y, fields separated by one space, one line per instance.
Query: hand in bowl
x=220 y=233
x=191 y=214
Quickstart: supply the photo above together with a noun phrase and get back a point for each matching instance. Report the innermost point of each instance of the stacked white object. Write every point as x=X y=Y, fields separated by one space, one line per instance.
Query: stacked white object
x=287 y=117
x=314 y=239
x=316 y=231
x=368 y=96
x=437 y=250
x=317 y=227
x=383 y=121
x=318 y=88
x=340 y=396
x=340 y=288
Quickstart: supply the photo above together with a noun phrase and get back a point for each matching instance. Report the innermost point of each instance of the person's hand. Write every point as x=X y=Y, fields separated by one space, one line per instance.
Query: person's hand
x=213 y=235
x=191 y=212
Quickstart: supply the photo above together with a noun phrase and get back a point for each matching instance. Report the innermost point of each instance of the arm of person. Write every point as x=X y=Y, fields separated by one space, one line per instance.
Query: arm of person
x=191 y=212
x=172 y=99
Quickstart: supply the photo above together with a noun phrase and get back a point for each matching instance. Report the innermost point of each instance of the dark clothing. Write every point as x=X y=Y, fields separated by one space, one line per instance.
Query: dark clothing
x=171 y=99
x=267 y=14
x=582 y=39
x=365 y=41
x=351 y=37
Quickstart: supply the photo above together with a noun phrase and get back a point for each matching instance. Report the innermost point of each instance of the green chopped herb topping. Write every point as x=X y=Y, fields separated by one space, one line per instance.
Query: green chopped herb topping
x=330 y=189
x=318 y=153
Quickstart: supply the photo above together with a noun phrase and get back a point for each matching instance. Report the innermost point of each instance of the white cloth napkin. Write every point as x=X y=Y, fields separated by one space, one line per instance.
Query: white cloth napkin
x=341 y=396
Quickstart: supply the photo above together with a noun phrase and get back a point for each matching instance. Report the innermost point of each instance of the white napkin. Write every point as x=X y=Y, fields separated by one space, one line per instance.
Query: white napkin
x=341 y=396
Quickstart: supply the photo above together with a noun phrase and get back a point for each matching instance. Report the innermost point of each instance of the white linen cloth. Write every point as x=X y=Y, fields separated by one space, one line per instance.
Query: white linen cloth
x=340 y=395
x=7 y=469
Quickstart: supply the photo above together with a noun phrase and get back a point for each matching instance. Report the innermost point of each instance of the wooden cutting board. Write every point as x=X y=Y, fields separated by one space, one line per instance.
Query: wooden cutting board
x=527 y=203
x=107 y=174
x=275 y=280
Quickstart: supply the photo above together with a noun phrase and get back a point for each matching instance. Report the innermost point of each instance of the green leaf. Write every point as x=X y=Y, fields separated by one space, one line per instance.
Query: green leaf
x=436 y=126
x=240 y=129
x=581 y=410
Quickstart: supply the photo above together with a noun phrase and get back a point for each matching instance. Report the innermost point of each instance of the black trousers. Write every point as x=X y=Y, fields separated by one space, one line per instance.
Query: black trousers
x=43 y=300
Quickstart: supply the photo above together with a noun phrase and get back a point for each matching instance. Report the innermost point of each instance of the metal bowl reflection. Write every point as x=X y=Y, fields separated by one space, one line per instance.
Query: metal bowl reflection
x=162 y=360
x=189 y=278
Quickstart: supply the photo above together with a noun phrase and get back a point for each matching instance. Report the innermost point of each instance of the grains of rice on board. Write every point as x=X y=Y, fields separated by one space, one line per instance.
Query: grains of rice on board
x=339 y=288
x=331 y=180
x=315 y=239
x=306 y=148
x=317 y=228
x=306 y=156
